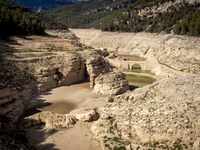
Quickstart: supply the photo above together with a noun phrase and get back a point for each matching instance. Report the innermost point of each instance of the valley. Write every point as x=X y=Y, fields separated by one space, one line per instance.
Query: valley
x=100 y=75
x=65 y=85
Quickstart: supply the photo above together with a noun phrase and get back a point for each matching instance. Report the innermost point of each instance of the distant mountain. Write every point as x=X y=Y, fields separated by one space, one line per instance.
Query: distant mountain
x=168 y=16
x=45 y=4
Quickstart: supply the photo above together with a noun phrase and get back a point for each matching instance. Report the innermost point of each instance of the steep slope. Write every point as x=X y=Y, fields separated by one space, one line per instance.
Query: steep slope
x=180 y=17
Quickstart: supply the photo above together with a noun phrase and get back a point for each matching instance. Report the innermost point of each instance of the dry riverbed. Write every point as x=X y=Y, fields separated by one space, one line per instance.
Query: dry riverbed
x=63 y=100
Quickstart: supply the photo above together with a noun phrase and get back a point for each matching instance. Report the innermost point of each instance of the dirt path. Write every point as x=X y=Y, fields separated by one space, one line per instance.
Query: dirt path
x=63 y=100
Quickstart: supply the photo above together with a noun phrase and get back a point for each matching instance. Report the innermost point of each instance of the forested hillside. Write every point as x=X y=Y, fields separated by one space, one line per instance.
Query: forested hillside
x=169 y=16
x=18 y=20
x=85 y=14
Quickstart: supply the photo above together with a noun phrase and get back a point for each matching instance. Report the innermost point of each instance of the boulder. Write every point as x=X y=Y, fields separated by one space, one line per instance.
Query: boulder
x=51 y=120
x=113 y=83
x=85 y=114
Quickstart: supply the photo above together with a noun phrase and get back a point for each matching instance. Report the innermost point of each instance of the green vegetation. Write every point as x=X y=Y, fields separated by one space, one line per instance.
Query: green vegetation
x=140 y=79
x=18 y=20
x=182 y=19
x=86 y=14
x=190 y=25
x=107 y=15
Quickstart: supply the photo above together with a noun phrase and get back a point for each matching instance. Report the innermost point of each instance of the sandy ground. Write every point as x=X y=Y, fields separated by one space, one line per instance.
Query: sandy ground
x=63 y=100
x=76 y=138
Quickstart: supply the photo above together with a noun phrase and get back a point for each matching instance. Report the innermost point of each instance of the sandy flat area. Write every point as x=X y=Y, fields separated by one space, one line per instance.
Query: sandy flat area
x=63 y=100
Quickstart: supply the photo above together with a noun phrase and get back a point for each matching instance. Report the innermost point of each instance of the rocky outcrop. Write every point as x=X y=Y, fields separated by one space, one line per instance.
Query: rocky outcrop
x=113 y=83
x=162 y=115
x=22 y=79
x=96 y=65
x=54 y=70
x=103 y=77
x=51 y=120
x=85 y=114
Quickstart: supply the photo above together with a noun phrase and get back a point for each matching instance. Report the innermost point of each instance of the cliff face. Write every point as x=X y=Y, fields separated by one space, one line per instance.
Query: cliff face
x=170 y=55
x=23 y=79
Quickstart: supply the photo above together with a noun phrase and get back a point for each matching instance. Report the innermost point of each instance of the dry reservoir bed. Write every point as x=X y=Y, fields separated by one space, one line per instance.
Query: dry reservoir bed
x=63 y=100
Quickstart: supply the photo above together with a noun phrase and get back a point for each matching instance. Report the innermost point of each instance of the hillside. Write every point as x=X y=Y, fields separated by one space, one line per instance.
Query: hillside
x=180 y=17
x=85 y=14
x=15 y=19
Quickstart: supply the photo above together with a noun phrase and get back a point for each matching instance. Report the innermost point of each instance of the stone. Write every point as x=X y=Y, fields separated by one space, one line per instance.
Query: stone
x=85 y=114
x=95 y=65
x=113 y=83
x=51 y=120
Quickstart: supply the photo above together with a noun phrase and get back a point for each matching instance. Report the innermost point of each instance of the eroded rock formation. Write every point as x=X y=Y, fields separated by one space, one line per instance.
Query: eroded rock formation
x=162 y=115
x=113 y=83
x=51 y=120
x=96 y=65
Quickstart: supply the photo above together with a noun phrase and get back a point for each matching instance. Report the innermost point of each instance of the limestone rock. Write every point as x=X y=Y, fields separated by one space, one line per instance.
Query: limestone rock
x=164 y=114
x=85 y=114
x=20 y=80
x=96 y=65
x=51 y=120
x=112 y=83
